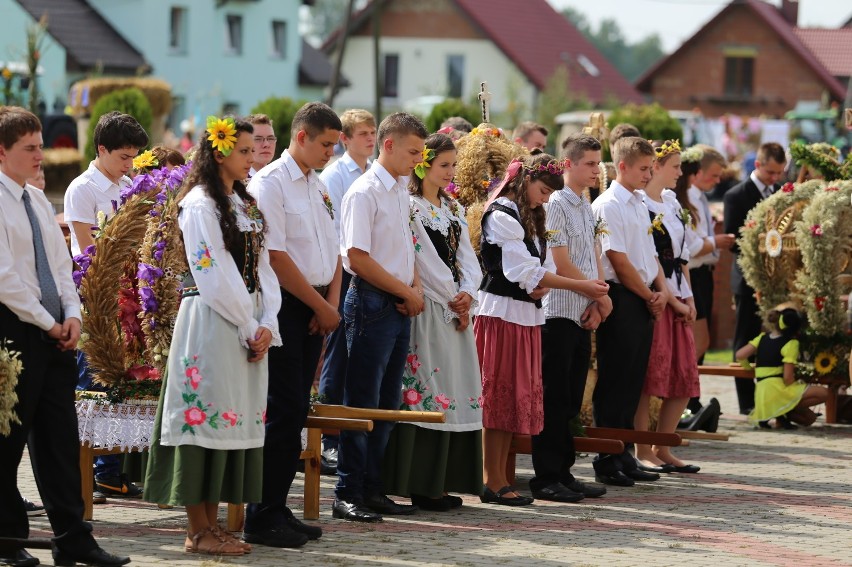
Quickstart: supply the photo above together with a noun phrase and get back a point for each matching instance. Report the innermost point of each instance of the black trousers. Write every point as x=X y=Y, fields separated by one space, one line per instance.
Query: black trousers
x=748 y=326
x=566 y=351
x=623 y=349
x=49 y=428
x=292 y=369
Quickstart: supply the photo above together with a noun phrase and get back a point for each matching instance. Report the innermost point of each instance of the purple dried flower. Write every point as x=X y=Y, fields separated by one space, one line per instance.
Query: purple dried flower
x=149 y=273
x=149 y=300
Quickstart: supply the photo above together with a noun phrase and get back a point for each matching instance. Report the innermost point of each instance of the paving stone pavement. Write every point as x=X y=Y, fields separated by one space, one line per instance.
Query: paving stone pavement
x=763 y=498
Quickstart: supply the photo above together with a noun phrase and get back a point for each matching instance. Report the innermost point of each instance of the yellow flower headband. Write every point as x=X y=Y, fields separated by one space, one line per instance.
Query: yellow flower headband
x=667 y=148
x=420 y=168
x=222 y=134
x=145 y=160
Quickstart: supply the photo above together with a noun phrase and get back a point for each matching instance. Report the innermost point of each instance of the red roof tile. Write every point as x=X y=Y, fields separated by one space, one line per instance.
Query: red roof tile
x=833 y=48
x=771 y=15
x=536 y=38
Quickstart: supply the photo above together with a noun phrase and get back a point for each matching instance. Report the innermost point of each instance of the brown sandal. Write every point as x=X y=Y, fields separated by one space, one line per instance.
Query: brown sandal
x=246 y=547
x=209 y=542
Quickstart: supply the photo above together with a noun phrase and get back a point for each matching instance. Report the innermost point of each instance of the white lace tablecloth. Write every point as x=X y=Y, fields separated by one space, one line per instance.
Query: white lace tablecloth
x=106 y=426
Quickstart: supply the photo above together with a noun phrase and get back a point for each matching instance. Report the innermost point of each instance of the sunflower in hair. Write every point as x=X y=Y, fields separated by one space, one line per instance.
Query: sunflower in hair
x=223 y=134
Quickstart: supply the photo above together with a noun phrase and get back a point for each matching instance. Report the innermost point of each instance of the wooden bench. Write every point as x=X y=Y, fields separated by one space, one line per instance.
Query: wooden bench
x=327 y=416
x=599 y=440
x=833 y=382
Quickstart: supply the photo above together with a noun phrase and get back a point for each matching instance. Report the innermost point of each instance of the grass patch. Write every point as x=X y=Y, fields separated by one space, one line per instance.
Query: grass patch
x=718 y=356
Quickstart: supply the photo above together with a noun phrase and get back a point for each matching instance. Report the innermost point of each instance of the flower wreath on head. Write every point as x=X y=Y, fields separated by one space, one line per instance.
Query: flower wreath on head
x=667 y=148
x=692 y=155
x=222 y=134
x=427 y=157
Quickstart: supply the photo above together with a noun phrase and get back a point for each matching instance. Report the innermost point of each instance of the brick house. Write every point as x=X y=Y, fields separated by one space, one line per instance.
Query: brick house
x=446 y=47
x=751 y=59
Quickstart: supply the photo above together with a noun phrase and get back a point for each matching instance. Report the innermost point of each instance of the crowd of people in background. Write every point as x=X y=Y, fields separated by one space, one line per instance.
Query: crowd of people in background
x=366 y=270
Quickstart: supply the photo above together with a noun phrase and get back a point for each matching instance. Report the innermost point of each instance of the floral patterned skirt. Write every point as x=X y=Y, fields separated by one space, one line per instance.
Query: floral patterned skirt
x=672 y=369
x=510 y=357
x=442 y=372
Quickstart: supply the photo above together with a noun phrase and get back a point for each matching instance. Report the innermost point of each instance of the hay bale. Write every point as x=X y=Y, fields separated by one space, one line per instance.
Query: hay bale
x=157 y=91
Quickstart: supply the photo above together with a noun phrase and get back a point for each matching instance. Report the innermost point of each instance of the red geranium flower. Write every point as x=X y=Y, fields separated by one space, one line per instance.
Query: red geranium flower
x=819 y=303
x=194 y=416
x=411 y=397
x=788 y=187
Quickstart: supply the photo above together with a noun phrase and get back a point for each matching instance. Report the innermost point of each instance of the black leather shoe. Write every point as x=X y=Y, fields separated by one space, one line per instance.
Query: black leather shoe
x=453 y=501
x=431 y=504
x=616 y=478
x=557 y=492
x=96 y=557
x=664 y=468
x=313 y=532
x=587 y=490
x=20 y=558
x=643 y=476
x=279 y=536
x=384 y=505
x=499 y=497
x=353 y=511
x=686 y=469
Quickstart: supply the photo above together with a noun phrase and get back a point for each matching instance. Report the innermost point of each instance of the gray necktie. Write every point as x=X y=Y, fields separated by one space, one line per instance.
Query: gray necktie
x=49 y=294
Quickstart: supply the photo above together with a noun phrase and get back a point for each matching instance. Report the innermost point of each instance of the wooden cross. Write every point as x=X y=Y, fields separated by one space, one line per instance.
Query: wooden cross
x=484 y=97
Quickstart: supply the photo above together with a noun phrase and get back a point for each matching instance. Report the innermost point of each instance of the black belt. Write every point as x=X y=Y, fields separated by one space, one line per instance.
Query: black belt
x=360 y=283
x=321 y=289
x=707 y=267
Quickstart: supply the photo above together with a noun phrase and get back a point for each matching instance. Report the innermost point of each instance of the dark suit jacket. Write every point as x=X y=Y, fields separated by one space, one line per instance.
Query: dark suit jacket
x=739 y=200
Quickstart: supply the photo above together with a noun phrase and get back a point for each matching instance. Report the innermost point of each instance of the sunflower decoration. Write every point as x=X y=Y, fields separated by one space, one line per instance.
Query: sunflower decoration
x=656 y=224
x=223 y=134
x=774 y=243
x=825 y=362
x=145 y=161
x=427 y=156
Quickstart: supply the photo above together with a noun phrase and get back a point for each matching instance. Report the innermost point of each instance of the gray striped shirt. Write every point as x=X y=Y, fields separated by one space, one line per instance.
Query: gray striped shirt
x=570 y=218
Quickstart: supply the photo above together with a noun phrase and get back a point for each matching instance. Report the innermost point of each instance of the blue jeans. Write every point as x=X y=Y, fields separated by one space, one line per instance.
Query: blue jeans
x=105 y=465
x=377 y=338
x=333 y=374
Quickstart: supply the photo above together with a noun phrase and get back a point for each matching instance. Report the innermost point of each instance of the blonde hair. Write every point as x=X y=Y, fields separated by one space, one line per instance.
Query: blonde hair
x=355 y=117
x=629 y=149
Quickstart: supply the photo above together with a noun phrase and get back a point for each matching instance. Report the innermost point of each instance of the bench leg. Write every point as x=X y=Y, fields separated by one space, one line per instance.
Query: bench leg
x=87 y=483
x=236 y=517
x=831 y=405
x=312 y=474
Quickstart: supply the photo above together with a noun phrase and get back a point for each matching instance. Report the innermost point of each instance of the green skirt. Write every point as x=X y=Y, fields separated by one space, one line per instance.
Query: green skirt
x=188 y=474
x=429 y=462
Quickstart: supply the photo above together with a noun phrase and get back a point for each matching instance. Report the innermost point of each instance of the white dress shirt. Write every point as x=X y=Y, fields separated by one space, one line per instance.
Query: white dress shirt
x=297 y=217
x=338 y=178
x=519 y=266
x=765 y=191
x=375 y=219
x=670 y=209
x=570 y=218
x=704 y=228
x=90 y=193
x=19 y=286
x=628 y=223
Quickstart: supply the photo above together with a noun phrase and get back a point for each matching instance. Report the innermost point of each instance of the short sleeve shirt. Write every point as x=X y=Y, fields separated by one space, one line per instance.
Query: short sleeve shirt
x=90 y=193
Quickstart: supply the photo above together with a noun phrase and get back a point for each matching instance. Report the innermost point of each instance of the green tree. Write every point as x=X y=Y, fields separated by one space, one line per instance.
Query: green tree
x=452 y=107
x=631 y=59
x=653 y=121
x=129 y=101
x=281 y=110
x=555 y=99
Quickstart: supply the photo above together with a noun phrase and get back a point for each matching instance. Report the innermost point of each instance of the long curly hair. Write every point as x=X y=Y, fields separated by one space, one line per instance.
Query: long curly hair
x=205 y=172
x=534 y=169
x=440 y=143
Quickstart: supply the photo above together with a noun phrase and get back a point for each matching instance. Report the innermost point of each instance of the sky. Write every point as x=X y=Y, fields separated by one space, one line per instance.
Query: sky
x=677 y=20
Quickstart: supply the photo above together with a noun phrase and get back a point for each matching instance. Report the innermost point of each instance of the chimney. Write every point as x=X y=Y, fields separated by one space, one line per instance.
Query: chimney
x=790 y=11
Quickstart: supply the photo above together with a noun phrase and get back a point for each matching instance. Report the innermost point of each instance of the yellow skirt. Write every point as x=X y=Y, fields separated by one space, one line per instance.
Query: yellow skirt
x=773 y=398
